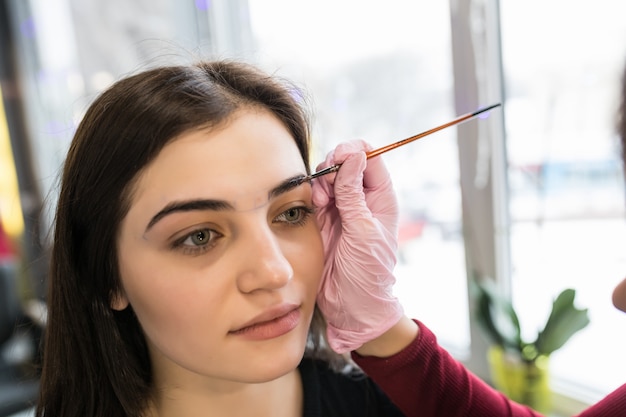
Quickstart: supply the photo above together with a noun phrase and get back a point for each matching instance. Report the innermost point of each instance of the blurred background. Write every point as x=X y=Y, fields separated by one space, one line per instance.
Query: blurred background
x=531 y=196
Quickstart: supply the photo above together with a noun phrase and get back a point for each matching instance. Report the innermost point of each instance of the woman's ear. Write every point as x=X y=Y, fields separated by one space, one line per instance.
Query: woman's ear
x=119 y=301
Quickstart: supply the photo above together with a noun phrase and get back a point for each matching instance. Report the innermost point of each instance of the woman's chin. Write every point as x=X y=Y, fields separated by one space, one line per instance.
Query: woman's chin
x=265 y=370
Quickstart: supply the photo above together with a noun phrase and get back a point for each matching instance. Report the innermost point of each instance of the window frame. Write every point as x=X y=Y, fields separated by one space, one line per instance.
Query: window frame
x=478 y=77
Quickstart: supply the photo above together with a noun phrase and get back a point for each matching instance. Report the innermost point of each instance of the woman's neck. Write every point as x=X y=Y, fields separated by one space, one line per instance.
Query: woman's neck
x=281 y=397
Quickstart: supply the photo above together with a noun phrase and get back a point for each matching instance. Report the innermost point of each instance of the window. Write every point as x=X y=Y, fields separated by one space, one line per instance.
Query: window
x=567 y=203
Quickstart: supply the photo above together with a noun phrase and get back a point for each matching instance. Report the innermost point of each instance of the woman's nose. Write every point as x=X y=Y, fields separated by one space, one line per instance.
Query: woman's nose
x=264 y=265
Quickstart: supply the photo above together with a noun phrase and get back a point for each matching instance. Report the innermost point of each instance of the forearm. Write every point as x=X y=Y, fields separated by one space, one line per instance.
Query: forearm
x=424 y=380
x=392 y=341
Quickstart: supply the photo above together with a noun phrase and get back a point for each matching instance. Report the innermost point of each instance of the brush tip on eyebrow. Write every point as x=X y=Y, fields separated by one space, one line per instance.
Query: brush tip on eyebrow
x=287 y=185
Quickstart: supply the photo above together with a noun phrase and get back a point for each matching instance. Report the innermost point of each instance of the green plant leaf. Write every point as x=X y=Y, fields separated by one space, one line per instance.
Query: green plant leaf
x=495 y=314
x=565 y=320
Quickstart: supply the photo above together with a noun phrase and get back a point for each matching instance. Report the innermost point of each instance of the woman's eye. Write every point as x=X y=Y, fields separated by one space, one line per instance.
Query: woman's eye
x=199 y=237
x=198 y=241
x=295 y=215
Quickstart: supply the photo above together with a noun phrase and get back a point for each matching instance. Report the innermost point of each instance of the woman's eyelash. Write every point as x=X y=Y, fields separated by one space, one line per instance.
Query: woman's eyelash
x=197 y=242
x=295 y=216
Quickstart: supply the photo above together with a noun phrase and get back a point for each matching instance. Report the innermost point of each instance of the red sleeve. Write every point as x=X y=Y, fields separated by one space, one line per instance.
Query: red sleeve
x=612 y=405
x=424 y=380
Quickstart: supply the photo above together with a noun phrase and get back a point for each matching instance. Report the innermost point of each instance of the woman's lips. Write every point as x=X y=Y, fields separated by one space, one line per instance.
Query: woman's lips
x=270 y=324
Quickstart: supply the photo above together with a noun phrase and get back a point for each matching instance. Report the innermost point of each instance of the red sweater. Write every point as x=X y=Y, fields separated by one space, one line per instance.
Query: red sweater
x=424 y=380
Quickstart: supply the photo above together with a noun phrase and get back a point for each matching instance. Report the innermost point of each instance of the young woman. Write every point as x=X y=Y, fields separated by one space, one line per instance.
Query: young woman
x=187 y=262
x=190 y=266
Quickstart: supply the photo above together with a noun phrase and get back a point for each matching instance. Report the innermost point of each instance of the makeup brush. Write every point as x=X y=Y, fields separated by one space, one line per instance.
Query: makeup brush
x=402 y=142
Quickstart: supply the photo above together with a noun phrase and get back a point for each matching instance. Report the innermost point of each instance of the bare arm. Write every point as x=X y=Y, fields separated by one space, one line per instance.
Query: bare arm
x=392 y=341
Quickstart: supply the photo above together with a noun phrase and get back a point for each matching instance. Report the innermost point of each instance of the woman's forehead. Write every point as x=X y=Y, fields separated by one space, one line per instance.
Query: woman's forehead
x=241 y=162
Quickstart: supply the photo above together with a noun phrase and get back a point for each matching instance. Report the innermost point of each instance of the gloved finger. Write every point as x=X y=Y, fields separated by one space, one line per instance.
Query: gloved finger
x=348 y=188
x=329 y=161
x=376 y=174
x=356 y=203
x=322 y=187
x=321 y=192
x=379 y=191
x=345 y=149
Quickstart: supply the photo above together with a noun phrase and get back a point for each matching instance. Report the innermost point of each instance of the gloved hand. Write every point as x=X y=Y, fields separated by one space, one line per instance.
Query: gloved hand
x=357 y=212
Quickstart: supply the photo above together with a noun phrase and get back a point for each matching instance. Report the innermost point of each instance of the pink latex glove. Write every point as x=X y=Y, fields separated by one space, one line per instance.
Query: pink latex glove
x=357 y=212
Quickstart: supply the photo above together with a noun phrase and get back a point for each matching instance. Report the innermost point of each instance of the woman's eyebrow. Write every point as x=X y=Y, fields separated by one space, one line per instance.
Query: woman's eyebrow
x=218 y=205
x=285 y=186
x=189 y=205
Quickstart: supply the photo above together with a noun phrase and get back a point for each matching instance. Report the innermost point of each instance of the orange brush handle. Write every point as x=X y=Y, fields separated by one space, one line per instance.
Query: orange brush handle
x=403 y=142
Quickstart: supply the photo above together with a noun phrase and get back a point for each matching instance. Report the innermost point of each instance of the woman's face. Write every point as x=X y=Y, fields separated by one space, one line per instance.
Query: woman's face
x=219 y=258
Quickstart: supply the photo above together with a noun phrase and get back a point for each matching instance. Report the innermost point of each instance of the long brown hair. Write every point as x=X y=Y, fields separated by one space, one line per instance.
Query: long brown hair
x=95 y=360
